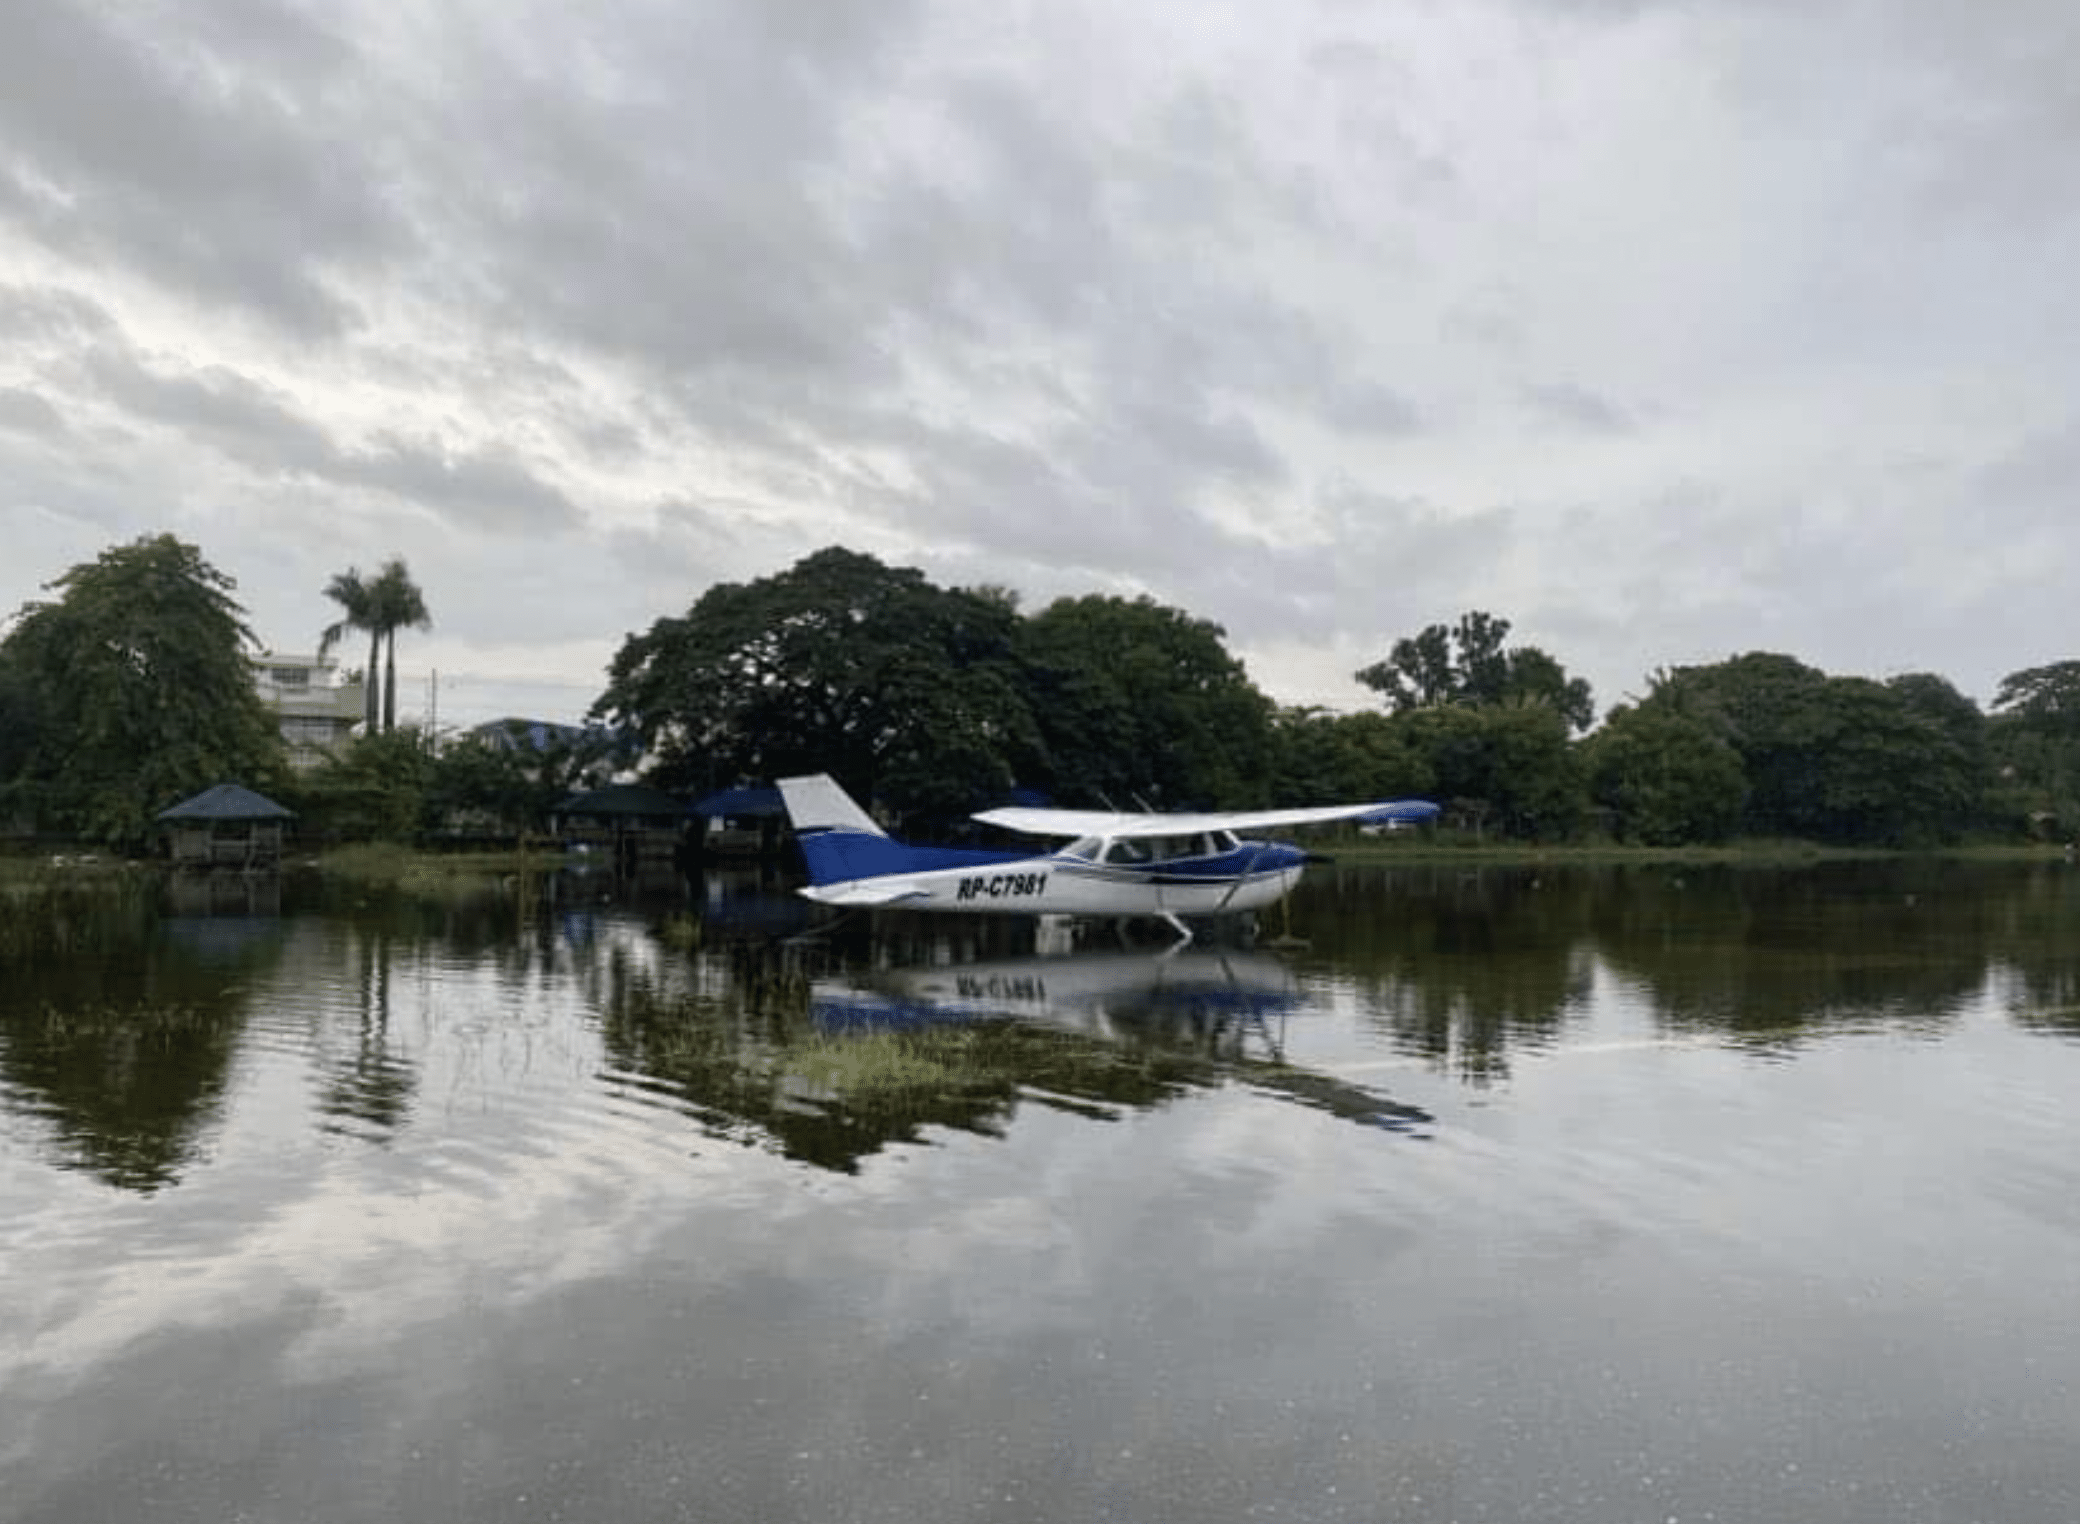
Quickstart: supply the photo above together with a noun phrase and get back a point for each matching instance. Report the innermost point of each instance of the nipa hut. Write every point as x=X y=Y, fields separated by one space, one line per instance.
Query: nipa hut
x=228 y=826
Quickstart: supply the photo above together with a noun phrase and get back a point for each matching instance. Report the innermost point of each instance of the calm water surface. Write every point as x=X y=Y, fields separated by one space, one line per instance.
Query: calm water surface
x=1513 y=1195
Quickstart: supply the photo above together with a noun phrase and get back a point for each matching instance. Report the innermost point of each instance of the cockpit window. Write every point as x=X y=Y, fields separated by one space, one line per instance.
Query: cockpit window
x=1086 y=847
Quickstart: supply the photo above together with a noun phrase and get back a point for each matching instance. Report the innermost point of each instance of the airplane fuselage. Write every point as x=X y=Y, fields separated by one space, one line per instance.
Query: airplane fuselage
x=1214 y=874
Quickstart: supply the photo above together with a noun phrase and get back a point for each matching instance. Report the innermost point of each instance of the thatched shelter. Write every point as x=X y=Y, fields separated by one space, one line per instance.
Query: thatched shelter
x=227 y=826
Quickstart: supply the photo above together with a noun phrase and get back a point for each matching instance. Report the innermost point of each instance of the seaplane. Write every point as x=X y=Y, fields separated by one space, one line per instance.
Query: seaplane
x=1115 y=864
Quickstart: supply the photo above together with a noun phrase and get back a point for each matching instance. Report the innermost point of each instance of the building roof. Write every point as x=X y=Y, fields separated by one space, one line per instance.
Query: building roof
x=741 y=803
x=228 y=802
x=622 y=800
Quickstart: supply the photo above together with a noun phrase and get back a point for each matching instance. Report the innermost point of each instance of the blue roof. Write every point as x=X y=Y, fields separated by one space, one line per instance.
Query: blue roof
x=741 y=801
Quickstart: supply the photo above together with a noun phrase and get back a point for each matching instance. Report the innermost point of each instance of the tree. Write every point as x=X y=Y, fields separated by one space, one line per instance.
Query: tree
x=840 y=664
x=1136 y=701
x=134 y=690
x=1510 y=766
x=2033 y=742
x=1951 y=781
x=1470 y=664
x=2048 y=697
x=1774 y=711
x=356 y=597
x=1324 y=758
x=380 y=605
x=1838 y=759
x=374 y=788
x=398 y=604
x=1667 y=777
x=479 y=786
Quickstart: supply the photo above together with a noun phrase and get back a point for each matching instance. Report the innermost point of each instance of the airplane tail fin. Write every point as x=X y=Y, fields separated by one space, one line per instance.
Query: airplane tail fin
x=840 y=841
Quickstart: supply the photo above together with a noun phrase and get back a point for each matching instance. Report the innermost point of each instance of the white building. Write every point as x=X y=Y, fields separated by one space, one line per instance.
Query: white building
x=317 y=711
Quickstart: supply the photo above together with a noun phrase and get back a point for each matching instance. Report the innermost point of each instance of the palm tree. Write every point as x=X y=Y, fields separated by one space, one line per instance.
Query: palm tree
x=397 y=603
x=355 y=595
x=381 y=605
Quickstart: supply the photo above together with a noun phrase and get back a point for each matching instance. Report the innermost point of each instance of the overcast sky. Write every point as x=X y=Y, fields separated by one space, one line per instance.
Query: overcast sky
x=1665 y=331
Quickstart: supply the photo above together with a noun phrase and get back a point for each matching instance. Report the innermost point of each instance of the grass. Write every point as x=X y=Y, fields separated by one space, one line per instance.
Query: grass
x=887 y=1064
x=48 y=911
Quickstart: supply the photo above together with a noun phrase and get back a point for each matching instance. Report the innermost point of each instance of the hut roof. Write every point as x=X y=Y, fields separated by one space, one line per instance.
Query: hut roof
x=622 y=800
x=226 y=802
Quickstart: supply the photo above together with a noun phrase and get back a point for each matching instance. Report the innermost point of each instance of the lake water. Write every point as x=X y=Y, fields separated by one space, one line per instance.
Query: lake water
x=1525 y=1194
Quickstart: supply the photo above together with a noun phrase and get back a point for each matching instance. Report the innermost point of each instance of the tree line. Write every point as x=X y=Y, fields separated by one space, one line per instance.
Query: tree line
x=129 y=689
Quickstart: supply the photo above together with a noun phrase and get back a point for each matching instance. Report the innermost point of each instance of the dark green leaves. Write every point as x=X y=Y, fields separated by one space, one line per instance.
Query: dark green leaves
x=129 y=691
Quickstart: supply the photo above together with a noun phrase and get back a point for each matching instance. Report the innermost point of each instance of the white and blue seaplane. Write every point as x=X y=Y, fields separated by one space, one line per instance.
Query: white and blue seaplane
x=1169 y=866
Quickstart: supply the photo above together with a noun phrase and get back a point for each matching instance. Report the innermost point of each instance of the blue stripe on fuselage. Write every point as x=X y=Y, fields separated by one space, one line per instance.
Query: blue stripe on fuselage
x=837 y=856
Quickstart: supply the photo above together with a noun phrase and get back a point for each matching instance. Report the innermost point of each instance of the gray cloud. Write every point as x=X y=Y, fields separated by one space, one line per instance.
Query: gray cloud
x=172 y=153
x=1574 y=406
x=1650 y=326
x=487 y=487
x=28 y=412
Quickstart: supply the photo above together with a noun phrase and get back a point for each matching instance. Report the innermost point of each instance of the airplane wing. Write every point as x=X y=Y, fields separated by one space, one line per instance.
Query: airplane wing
x=1072 y=823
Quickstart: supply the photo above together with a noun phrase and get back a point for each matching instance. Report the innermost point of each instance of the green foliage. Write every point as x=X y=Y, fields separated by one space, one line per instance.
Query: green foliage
x=1509 y=769
x=476 y=787
x=2033 y=746
x=2047 y=698
x=1469 y=664
x=1328 y=758
x=373 y=789
x=1136 y=701
x=1667 y=777
x=902 y=689
x=1844 y=760
x=129 y=692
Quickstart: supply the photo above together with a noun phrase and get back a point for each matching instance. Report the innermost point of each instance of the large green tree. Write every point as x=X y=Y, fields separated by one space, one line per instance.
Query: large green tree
x=1508 y=768
x=132 y=690
x=1667 y=778
x=2033 y=743
x=840 y=664
x=1326 y=758
x=1139 y=702
x=1471 y=663
x=1838 y=759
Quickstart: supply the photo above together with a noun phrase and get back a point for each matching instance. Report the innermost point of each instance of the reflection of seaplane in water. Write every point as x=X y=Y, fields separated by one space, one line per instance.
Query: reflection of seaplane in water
x=1115 y=864
x=1221 y=1014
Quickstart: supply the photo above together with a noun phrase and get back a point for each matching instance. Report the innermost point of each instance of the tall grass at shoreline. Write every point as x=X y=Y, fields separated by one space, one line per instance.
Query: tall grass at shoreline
x=58 y=912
